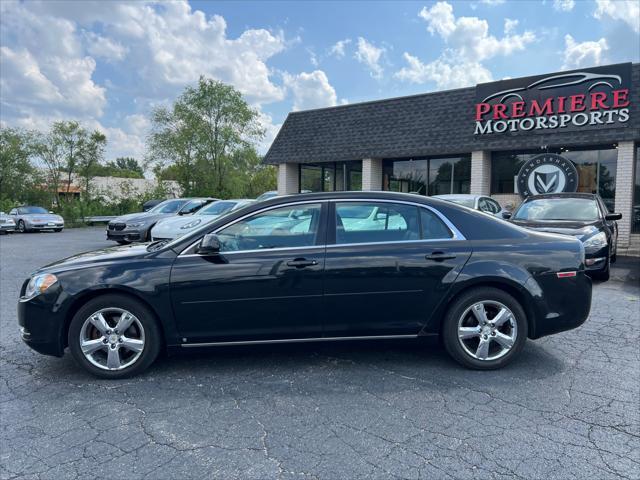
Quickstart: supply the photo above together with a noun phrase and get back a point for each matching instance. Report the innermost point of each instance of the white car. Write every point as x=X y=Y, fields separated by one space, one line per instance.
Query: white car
x=175 y=227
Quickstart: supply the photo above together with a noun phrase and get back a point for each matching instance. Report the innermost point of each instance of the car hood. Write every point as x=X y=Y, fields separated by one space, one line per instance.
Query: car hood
x=180 y=220
x=141 y=217
x=47 y=217
x=109 y=254
x=580 y=230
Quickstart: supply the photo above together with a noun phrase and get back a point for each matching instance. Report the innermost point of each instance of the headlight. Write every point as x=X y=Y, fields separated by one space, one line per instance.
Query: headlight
x=598 y=241
x=134 y=225
x=39 y=284
x=192 y=224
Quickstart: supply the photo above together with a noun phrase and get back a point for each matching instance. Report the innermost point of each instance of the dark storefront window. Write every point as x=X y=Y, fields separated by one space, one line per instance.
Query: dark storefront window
x=596 y=169
x=433 y=176
x=329 y=177
x=636 y=194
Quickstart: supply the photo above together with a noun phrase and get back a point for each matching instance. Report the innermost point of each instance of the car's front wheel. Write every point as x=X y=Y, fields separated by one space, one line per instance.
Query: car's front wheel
x=22 y=228
x=114 y=336
x=485 y=328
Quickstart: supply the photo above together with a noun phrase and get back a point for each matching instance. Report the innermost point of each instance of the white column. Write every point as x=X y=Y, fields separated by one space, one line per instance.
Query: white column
x=480 y=172
x=624 y=190
x=288 y=178
x=371 y=174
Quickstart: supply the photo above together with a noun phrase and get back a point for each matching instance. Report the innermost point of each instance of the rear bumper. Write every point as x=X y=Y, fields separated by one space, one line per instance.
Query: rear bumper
x=561 y=303
x=7 y=228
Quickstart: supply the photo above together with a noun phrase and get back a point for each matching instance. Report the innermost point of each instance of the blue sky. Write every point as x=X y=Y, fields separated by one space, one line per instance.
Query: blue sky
x=109 y=63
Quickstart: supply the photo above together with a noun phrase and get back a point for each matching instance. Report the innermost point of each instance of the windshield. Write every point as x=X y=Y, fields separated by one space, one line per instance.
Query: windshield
x=168 y=206
x=217 y=208
x=465 y=202
x=33 y=210
x=568 y=209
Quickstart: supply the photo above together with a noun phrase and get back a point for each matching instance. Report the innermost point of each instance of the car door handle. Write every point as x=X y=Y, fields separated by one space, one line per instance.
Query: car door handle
x=439 y=256
x=301 y=263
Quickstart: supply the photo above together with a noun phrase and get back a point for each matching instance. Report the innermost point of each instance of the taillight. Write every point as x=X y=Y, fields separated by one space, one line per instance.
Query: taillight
x=566 y=274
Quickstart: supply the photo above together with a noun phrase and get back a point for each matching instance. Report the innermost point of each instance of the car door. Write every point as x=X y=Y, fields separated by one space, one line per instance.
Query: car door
x=385 y=274
x=265 y=284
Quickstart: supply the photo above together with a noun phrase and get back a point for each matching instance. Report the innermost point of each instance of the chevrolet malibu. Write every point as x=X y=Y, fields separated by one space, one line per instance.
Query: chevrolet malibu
x=297 y=269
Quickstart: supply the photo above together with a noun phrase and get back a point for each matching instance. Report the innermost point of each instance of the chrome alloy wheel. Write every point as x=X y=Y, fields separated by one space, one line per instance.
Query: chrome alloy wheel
x=112 y=338
x=487 y=330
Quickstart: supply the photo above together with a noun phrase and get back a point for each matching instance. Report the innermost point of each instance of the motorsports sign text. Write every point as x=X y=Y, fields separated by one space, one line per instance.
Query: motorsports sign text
x=590 y=98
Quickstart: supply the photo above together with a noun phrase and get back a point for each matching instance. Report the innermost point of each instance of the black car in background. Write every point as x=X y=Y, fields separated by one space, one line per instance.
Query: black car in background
x=315 y=267
x=149 y=204
x=581 y=215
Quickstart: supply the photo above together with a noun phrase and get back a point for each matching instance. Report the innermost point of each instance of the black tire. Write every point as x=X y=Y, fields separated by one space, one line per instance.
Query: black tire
x=457 y=309
x=152 y=335
x=22 y=227
x=123 y=242
x=57 y=229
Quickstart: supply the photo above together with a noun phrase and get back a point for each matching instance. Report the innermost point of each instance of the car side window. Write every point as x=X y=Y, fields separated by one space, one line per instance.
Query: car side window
x=432 y=227
x=366 y=222
x=13 y=212
x=284 y=227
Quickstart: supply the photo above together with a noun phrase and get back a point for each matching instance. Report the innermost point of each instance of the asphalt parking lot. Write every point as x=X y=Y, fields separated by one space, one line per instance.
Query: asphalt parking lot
x=568 y=408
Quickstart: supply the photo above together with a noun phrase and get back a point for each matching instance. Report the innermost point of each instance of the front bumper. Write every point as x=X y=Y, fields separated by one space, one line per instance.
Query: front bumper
x=596 y=261
x=45 y=226
x=131 y=235
x=41 y=327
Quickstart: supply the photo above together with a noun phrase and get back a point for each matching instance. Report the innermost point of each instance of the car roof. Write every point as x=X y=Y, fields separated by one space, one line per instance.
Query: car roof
x=591 y=196
x=461 y=196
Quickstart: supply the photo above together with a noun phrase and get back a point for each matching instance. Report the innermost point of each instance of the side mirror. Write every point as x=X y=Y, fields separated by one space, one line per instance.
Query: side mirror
x=209 y=245
x=506 y=215
x=613 y=216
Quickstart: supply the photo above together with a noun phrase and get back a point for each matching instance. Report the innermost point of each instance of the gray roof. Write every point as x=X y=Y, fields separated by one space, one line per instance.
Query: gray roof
x=438 y=123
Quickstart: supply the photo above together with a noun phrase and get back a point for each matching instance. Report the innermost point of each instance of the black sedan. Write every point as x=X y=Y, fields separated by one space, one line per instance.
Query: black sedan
x=582 y=215
x=318 y=267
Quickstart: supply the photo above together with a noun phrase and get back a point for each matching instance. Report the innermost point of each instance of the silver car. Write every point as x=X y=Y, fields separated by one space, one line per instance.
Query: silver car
x=7 y=224
x=477 y=202
x=32 y=218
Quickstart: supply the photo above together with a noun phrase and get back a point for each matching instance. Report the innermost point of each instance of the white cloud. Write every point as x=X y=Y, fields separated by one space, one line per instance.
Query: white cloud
x=564 y=5
x=468 y=42
x=444 y=73
x=627 y=11
x=310 y=90
x=338 y=49
x=469 y=36
x=493 y=2
x=585 y=54
x=370 y=55
x=103 y=47
x=510 y=25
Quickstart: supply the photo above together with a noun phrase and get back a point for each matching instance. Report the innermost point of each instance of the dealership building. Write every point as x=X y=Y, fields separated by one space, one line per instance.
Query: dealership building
x=565 y=131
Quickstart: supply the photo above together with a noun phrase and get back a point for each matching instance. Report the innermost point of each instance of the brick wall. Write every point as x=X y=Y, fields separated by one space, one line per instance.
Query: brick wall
x=480 y=172
x=288 y=178
x=371 y=174
x=624 y=190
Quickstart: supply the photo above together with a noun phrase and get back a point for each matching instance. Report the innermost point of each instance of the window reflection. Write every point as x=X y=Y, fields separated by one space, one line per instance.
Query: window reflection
x=432 y=176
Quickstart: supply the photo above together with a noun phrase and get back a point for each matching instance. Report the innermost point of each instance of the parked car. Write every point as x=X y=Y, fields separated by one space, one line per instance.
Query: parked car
x=136 y=227
x=477 y=202
x=175 y=227
x=581 y=215
x=7 y=224
x=149 y=204
x=267 y=195
x=32 y=219
x=483 y=284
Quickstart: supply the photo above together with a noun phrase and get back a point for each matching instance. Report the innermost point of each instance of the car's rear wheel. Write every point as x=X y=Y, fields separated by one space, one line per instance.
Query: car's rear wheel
x=114 y=336
x=485 y=328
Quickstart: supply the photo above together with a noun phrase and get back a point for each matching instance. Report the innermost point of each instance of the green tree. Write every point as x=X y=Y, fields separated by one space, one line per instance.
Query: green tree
x=91 y=154
x=200 y=134
x=20 y=181
x=127 y=164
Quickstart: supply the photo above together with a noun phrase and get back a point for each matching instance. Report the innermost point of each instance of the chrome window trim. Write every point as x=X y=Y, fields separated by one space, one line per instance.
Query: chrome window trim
x=457 y=235
x=265 y=209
